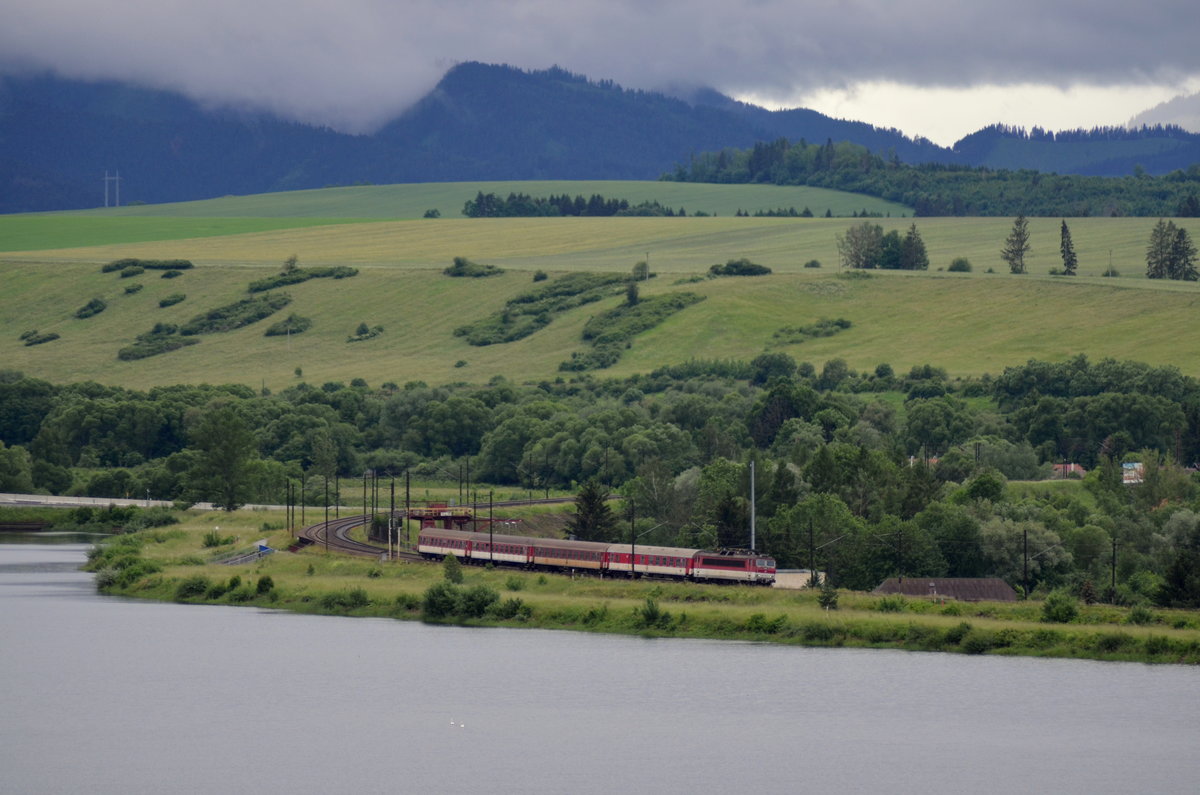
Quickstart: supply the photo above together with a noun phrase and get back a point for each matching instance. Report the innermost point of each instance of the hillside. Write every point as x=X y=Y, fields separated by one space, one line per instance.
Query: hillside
x=968 y=323
x=481 y=122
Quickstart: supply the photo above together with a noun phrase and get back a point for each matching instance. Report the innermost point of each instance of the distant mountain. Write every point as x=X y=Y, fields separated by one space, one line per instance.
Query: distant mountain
x=1182 y=111
x=1100 y=152
x=59 y=137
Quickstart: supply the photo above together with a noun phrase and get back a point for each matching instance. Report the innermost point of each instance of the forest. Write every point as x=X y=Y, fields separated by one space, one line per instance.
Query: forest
x=864 y=475
x=935 y=189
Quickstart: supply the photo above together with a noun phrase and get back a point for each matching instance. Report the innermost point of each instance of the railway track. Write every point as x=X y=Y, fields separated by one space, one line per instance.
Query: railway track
x=335 y=535
x=337 y=531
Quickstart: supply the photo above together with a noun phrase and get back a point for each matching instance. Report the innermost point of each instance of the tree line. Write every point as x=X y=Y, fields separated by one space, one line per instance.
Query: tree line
x=522 y=205
x=939 y=190
x=861 y=474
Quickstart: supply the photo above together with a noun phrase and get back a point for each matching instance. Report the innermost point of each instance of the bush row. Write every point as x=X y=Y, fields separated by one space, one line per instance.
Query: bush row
x=298 y=275
x=146 y=264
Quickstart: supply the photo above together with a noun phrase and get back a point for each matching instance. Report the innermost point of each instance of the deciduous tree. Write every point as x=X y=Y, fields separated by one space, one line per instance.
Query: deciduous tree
x=1016 y=246
x=226 y=446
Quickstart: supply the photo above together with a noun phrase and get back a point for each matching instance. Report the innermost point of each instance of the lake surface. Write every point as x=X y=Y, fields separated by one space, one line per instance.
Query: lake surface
x=107 y=695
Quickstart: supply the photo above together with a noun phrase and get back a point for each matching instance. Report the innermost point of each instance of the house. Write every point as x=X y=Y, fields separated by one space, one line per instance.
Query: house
x=964 y=589
x=1062 y=471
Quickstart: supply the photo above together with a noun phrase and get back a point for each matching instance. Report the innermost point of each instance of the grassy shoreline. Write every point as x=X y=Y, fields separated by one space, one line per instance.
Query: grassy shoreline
x=172 y=563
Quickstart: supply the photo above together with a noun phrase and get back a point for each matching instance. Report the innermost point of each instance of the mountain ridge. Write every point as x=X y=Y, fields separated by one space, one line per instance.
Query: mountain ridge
x=59 y=137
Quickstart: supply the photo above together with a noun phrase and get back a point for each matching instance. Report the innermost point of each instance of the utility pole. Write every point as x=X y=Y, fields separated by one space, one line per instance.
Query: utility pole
x=326 y=513
x=752 y=504
x=1025 y=575
x=117 y=184
x=1112 y=588
x=491 y=546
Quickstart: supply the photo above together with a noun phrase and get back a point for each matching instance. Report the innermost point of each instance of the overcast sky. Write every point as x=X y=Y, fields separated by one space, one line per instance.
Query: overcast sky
x=940 y=69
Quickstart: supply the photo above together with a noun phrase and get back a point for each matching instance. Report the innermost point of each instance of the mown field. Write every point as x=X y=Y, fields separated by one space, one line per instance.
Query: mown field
x=176 y=563
x=968 y=323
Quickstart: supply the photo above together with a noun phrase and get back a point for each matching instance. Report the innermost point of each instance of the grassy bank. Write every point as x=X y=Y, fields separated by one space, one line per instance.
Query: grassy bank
x=176 y=563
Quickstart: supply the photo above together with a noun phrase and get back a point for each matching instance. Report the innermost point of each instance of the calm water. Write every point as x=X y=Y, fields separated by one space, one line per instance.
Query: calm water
x=104 y=695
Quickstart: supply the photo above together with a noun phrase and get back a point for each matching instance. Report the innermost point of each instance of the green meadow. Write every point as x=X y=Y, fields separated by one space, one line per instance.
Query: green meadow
x=969 y=323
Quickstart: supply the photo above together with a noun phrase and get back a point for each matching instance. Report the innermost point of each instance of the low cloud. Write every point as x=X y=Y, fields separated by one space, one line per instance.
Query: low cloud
x=354 y=64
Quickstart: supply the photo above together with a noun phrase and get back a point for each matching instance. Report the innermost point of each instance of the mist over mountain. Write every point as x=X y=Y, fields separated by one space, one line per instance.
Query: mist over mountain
x=58 y=138
x=1181 y=111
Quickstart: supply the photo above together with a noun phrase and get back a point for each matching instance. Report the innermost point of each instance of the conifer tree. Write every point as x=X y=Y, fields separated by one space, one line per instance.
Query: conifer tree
x=1067 y=247
x=593 y=520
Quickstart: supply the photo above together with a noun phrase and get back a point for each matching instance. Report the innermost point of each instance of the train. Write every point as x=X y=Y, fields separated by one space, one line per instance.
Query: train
x=628 y=560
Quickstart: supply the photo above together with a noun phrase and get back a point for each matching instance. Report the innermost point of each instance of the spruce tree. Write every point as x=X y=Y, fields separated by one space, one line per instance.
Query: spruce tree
x=913 y=256
x=593 y=520
x=1158 y=252
x=1183 y=256
x=1070 y=261
x=1017 y=245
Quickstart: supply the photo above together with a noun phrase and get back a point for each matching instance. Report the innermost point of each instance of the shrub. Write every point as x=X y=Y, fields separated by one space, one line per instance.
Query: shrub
x=407 y=601
x=476 y=601
x=235 y=315
x=192 y=587
x=171 y=274
x=214 y=539
x=295 y=275
x=1112 y=641
x=828 y=597
x=293 y=324
x=960 y=265
x=759 y=624
x=540 y=276
x=365 y=332
x=739 y=267
x=813 y=263
x=977 y=641
x=1140 y=615
x=91 y=309
x=433 y=212
x=1111 y=272
x=955 y=634
x=130 y=289
x=510 y=609
x=817 y=632
x=892 y=604
x=345 y=600
x=597 y=358
x=132 y=270
x=34 y=338
x=452 y=570
x=651 y=616
x=464 y=267
x=514 y=583
x=148 y=264
x=441 y=600
x=1060 y=607
x=171 y=300
x=160 y=339
x=825 y=327
x=630 y=319
x=1157 y=644
x=265 y=584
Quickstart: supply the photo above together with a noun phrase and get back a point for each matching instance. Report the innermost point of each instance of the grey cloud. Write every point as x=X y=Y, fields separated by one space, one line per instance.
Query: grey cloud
x=355 y=63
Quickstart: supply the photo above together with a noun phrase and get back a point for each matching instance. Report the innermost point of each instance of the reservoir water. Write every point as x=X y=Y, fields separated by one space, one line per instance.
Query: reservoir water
x=108 y=695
